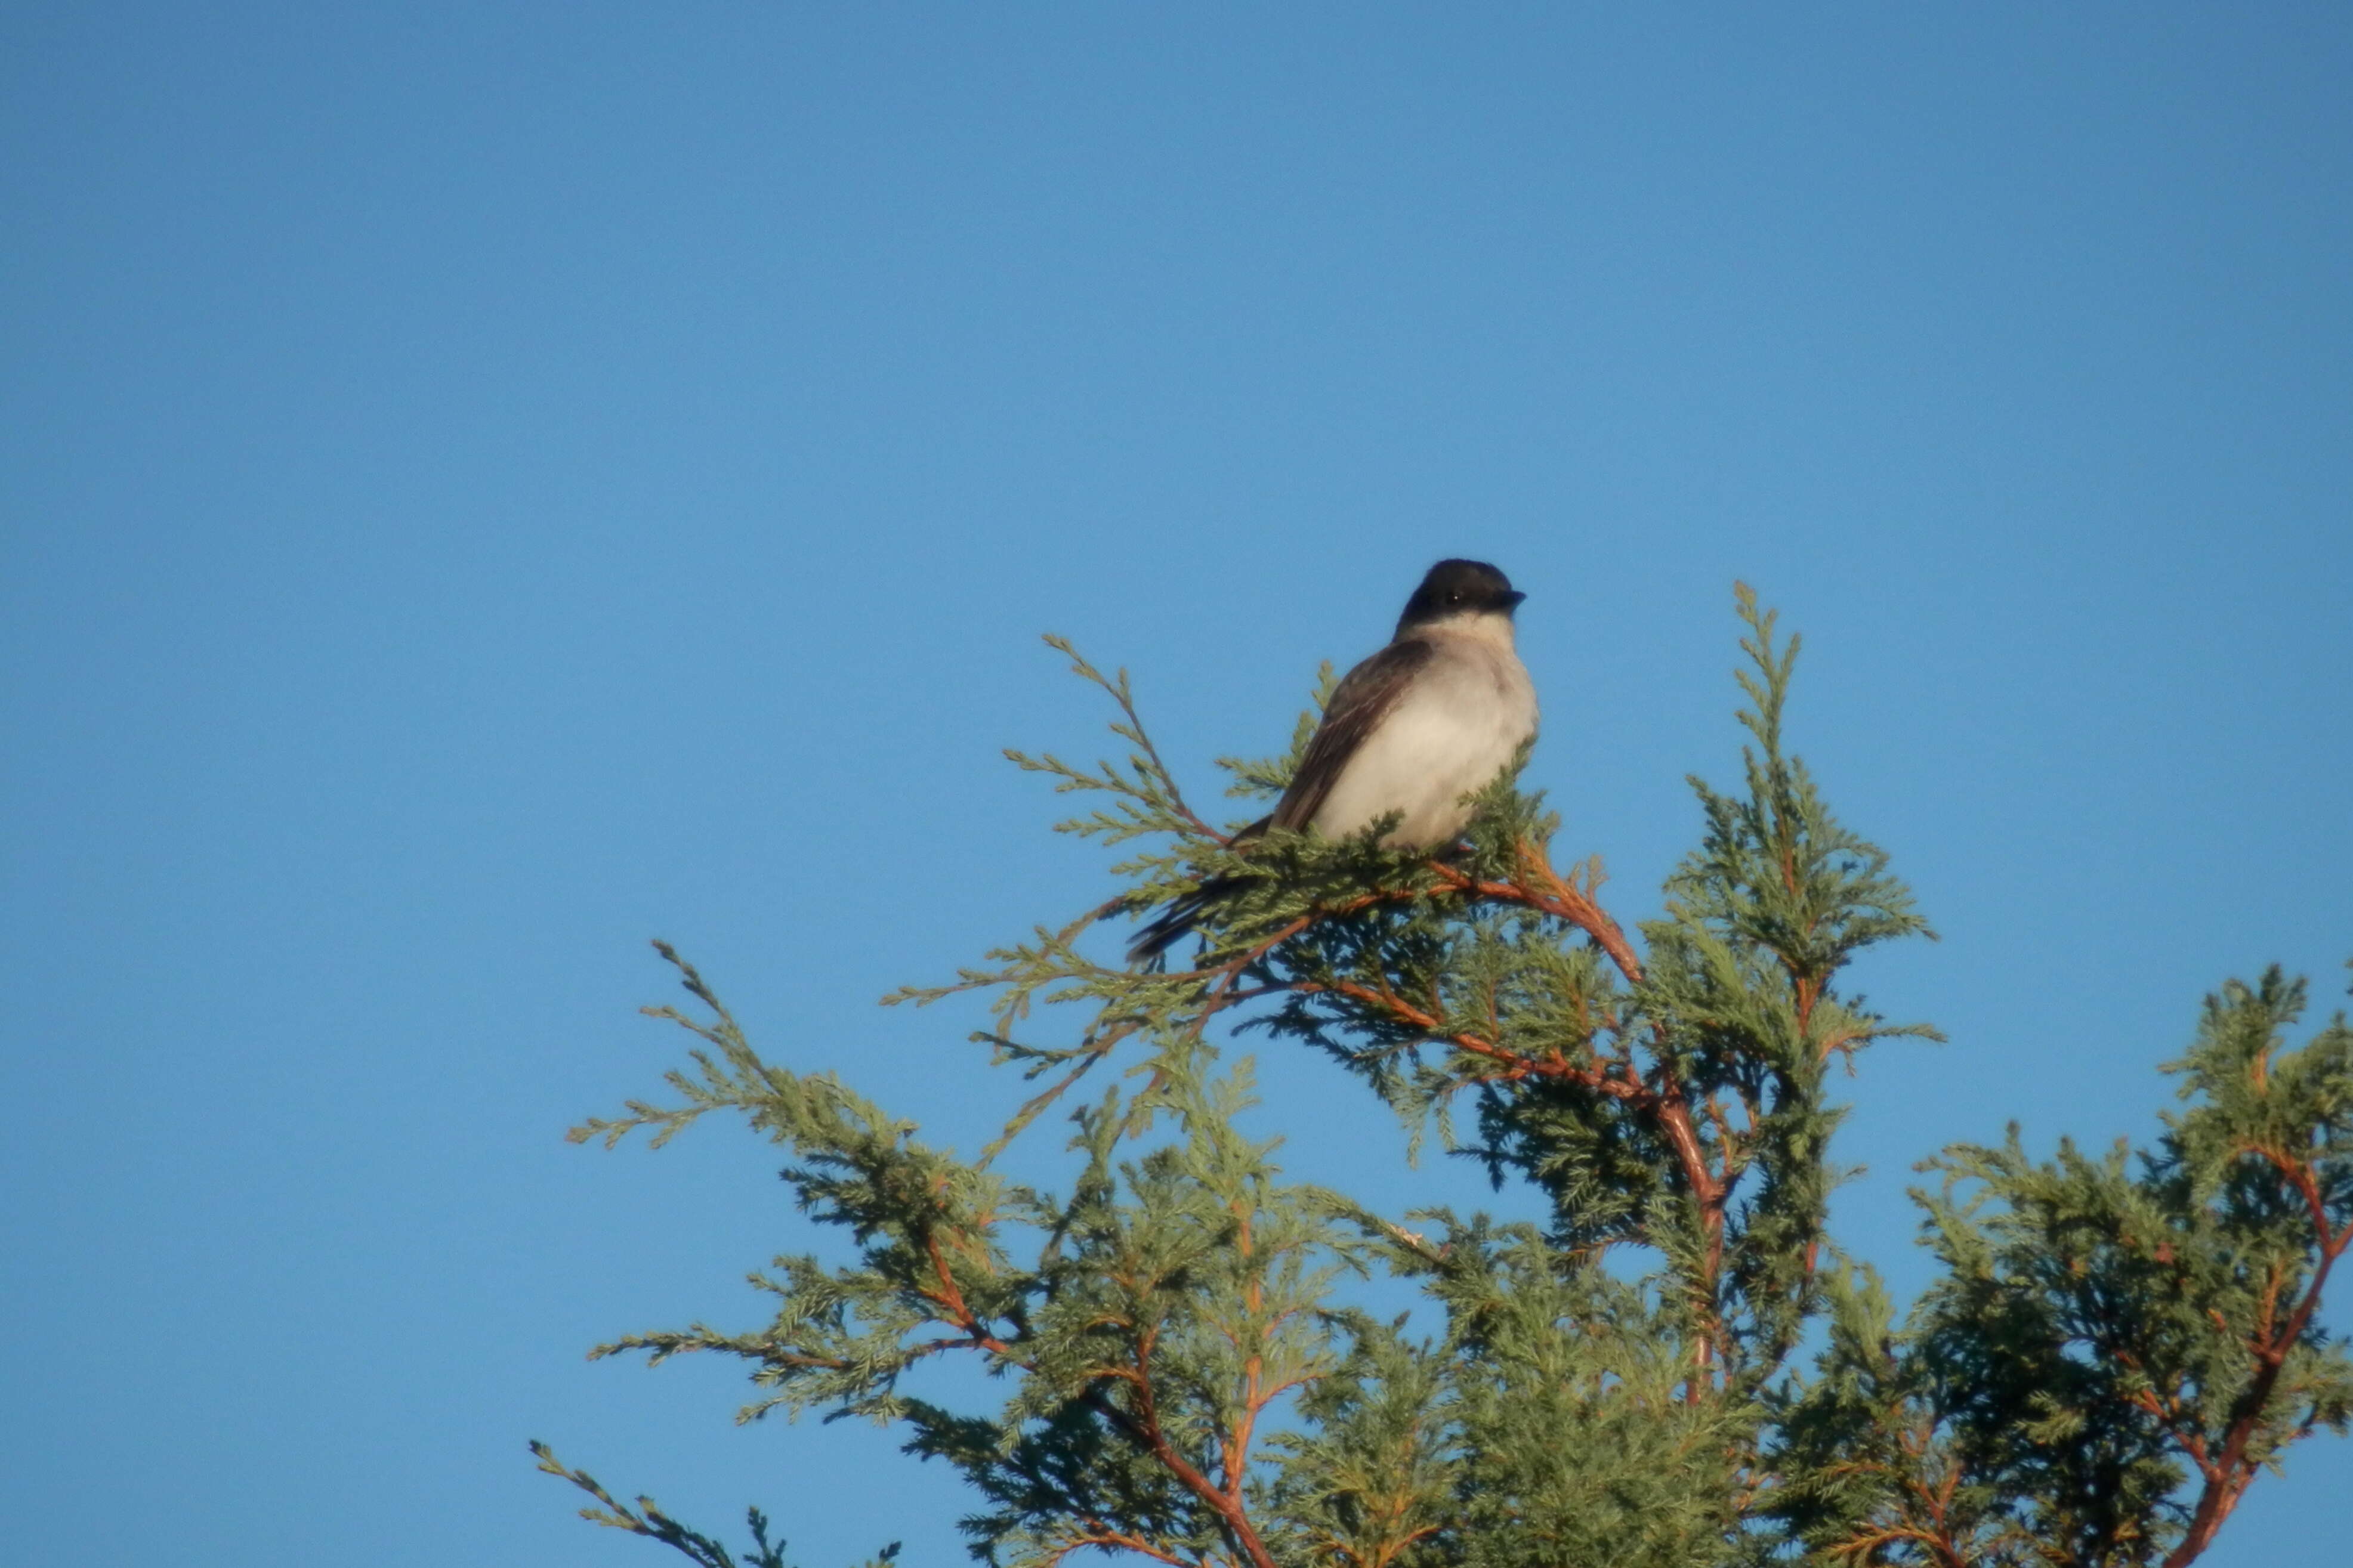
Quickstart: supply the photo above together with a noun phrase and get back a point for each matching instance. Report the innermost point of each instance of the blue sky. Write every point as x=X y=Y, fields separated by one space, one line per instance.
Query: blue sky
x=485 y=485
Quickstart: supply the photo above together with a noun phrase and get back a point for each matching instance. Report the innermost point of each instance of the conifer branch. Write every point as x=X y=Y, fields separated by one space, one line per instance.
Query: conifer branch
x=2108 y=1356
x=1536 y=886
x=649 y=1520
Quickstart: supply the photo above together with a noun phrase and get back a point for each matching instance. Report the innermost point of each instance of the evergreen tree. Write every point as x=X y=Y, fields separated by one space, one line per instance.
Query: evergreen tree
x=1677 y=1366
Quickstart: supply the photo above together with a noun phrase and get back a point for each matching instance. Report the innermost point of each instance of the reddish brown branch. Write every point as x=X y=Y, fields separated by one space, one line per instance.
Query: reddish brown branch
x=1516 y=1065
x=1923 y=1513
x=1539 y=887
x=2231 y=1470
x=950 y=1299
x=1536 y=886
x=1143 y=1427
x=1237 y=1441
x=1667 y=1105
x=1104 y=1537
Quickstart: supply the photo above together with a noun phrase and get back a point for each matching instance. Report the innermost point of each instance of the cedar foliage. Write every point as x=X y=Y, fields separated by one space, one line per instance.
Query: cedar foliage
x=1677 y=1367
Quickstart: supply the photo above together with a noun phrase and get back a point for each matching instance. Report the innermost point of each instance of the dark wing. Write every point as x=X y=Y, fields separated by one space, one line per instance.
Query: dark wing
x=1361 y=701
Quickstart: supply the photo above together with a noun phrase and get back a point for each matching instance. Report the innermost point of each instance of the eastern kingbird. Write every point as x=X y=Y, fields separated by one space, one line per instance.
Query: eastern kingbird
x=1418 y=727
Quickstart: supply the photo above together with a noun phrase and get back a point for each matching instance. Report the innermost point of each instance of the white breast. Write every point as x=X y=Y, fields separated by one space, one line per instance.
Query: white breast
x=1467 y=712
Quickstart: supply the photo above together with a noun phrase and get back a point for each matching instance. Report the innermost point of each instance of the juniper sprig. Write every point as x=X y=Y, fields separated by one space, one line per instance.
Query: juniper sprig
x=1677 y=1365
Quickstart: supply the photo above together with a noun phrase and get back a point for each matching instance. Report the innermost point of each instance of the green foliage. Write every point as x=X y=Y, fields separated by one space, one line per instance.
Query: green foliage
x=2117 y=1345
x=2114 y=1348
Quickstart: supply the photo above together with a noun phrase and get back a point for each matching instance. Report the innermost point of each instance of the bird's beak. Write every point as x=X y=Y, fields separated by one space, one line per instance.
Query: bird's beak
x=1512 y=601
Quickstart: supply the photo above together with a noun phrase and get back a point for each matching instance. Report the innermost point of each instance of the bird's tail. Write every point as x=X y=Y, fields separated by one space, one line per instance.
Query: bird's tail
x=1150 y=944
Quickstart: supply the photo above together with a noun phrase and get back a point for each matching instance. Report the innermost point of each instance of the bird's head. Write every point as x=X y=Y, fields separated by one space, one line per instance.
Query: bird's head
x=1459 y=589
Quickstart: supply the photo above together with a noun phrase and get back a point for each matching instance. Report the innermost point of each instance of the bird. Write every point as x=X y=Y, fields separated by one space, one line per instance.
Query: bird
x=1414 y=730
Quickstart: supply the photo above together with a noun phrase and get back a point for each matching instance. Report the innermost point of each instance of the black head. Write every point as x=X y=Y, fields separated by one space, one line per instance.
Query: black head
x=1458 y=588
